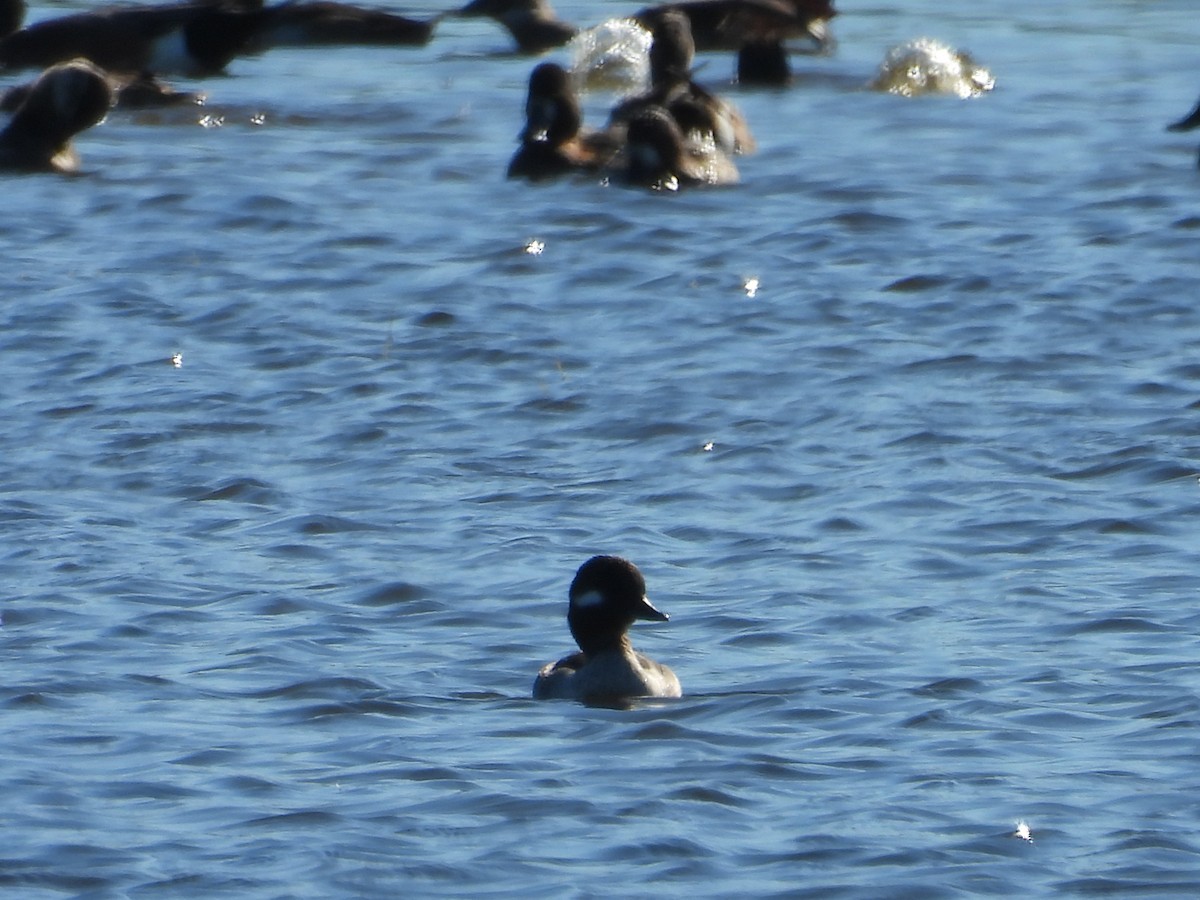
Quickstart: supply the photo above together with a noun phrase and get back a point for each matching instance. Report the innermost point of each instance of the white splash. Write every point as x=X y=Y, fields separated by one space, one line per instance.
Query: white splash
x=613 y=56
x=1023 y=831
x=926 y=66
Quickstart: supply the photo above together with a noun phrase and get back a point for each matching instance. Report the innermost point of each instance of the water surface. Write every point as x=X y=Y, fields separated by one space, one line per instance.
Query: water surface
x=902 y=431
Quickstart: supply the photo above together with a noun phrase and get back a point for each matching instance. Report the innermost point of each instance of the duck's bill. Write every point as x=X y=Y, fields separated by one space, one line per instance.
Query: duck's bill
x=648 y=612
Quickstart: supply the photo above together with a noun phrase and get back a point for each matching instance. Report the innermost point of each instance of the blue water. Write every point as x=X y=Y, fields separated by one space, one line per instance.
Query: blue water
x=902 y=430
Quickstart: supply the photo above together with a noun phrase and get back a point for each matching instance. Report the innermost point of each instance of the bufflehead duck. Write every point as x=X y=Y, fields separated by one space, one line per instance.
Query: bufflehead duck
x=730 y=24
x=184 y=38
x=553 y=142
x=532 y=23
x=64 y=101
x=699 y=112
x=1187 y=123
x=607 y=595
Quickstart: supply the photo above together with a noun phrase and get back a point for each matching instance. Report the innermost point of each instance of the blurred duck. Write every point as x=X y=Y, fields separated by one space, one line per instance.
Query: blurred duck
x=323 y=23
x=1187 y=123
x=656 y=155
x=553 y=142
x=132 y=91
x=146 y=91
x=532 y=23
x=731 y=24
x=184 y=38
x=763 y=62
x=65 y=100
x=698 y=112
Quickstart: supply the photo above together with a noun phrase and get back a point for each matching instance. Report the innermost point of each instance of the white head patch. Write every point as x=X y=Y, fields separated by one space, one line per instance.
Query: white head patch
x=588 y=598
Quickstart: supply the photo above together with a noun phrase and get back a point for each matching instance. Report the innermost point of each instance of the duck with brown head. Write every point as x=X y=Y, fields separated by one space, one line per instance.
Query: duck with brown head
x=656 y=155
x=703 y=116
x=553 y=141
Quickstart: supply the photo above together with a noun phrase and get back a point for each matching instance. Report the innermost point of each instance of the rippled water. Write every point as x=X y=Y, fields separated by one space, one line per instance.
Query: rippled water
x=902 y=431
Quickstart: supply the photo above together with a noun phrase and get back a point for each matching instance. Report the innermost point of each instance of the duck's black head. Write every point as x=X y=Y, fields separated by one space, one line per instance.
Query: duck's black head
x=607 y=595
x=551 y=111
